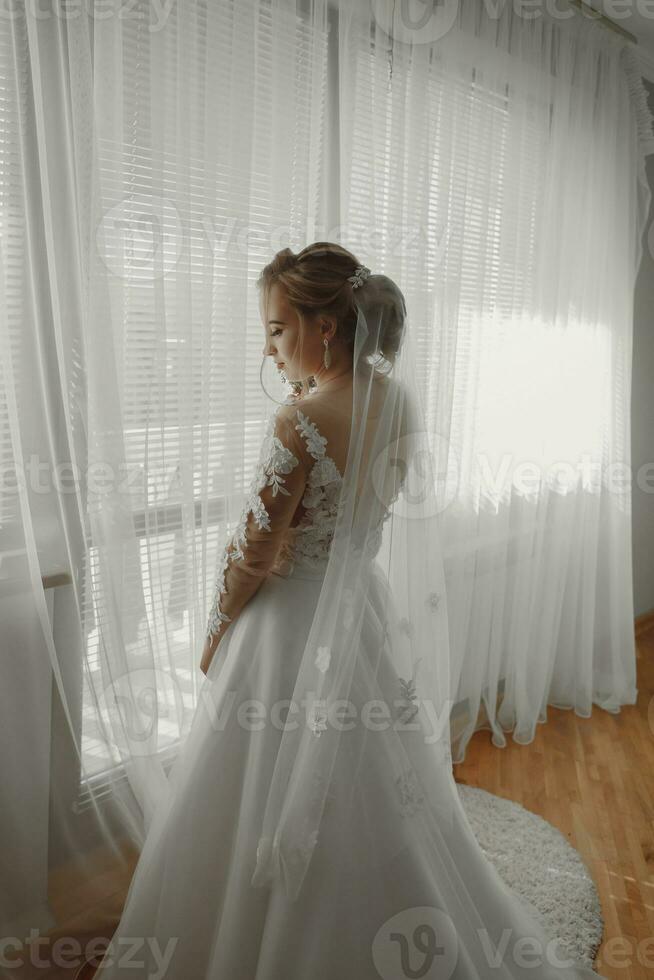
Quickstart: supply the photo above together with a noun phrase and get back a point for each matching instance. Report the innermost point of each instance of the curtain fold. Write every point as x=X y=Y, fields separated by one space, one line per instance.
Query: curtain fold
x=492 y=166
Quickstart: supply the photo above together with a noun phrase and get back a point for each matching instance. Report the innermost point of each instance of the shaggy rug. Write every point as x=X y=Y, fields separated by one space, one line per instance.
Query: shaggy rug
x=536 y=861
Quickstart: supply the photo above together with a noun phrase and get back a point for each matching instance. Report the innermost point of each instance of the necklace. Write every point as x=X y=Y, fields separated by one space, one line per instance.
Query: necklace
x=346 y=375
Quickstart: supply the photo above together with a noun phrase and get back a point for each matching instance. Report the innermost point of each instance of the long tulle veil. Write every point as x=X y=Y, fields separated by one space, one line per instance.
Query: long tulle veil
x=368 y=738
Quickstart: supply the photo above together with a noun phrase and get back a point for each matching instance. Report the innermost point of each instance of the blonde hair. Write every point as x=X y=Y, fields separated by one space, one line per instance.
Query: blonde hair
x=315 y=282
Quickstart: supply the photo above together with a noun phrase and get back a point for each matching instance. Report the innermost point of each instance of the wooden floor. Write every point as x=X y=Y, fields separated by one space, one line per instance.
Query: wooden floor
x=593 y=778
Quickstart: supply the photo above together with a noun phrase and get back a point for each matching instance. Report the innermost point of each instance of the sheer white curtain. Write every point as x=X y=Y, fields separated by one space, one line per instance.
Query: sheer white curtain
x=157 y=160
x=502 y=175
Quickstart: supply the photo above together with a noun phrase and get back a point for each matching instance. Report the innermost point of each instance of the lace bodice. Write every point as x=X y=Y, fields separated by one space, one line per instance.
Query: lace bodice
x=309 y=541
x=293 y=464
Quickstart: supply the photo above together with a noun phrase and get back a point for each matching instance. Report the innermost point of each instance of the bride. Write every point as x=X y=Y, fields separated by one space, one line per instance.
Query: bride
x=313 y=827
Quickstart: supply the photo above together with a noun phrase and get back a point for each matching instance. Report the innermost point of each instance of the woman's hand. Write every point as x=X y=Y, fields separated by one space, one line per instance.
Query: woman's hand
x=208 y=651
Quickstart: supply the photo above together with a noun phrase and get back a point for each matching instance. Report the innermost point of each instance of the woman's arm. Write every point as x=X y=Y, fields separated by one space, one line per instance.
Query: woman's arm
x=274 y=495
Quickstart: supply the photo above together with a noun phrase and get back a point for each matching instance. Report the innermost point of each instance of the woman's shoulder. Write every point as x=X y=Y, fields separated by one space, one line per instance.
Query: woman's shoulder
x=302 y=412
x=317 y=417
x=307 y=403
x=289 y=408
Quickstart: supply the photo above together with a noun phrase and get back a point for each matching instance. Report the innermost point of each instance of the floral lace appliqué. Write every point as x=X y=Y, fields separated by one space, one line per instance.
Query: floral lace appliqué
x=275 y=461
x=317 y=718
x=315 y=442
x=408 y=706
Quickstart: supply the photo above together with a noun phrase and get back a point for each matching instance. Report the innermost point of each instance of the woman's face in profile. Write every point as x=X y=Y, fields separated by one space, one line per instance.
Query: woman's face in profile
x=296 y=349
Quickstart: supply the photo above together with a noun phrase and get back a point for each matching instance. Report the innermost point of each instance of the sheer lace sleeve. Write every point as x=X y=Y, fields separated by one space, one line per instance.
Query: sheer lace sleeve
x=273 y=497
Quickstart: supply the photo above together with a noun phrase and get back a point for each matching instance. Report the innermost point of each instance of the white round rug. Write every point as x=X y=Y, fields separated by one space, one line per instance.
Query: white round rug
x=536 y=861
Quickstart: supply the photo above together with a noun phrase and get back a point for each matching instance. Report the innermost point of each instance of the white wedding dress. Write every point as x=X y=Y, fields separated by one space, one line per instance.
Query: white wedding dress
x=191 y=912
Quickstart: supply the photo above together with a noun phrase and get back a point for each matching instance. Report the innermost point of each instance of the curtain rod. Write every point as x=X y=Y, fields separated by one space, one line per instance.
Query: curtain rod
x=593 y=14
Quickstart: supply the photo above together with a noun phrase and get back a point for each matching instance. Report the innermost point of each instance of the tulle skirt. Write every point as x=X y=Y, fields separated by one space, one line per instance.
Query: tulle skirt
x=435 y=911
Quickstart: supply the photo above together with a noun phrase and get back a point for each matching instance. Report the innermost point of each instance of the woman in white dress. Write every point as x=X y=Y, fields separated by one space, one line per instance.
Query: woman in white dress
x=313 y=827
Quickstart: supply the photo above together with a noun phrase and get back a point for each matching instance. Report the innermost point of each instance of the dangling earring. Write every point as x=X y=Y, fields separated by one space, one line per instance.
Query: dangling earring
x=327 y=356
